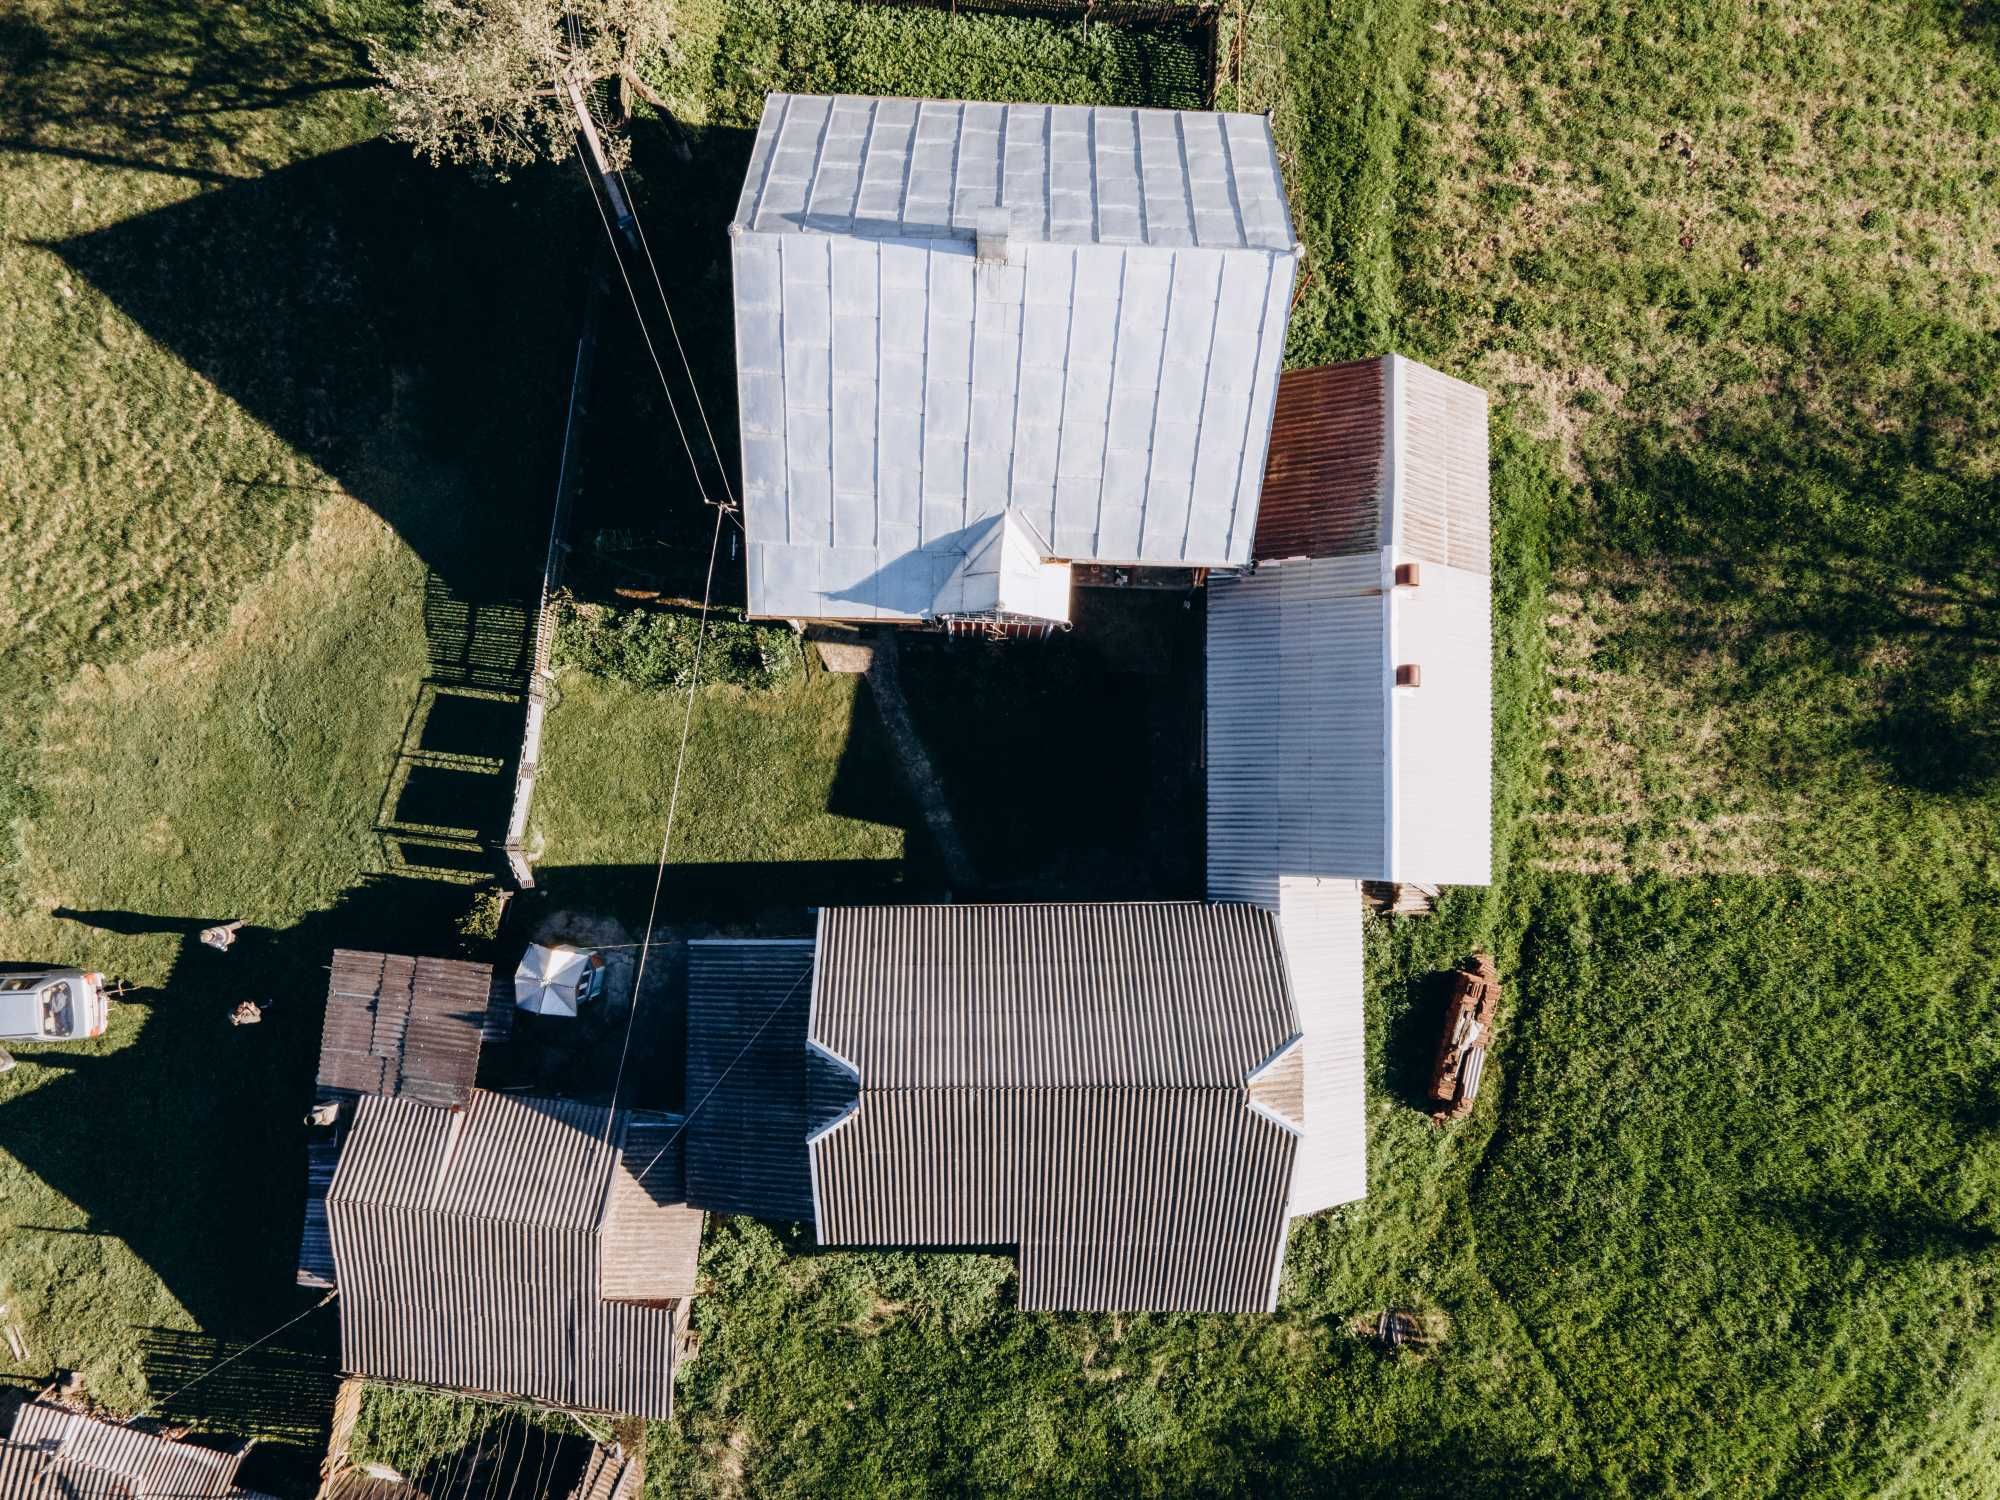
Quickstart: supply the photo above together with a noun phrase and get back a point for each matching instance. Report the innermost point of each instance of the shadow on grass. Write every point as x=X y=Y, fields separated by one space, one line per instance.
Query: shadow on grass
x=1880 y=1230
x=1838 y=530
x=158 y=87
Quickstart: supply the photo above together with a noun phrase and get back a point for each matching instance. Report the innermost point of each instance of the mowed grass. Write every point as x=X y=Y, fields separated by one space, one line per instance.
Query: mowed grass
x=242 y=439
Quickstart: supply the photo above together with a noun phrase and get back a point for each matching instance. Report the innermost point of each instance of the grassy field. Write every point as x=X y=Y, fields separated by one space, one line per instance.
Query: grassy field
x=250 y=377
x=1726 y=1220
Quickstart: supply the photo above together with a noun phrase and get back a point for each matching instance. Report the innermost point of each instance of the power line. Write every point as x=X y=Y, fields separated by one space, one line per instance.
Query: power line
x=742 y=1052
x=167 y=1401
x=673 y=326
x=673 y=807
x=645 y=333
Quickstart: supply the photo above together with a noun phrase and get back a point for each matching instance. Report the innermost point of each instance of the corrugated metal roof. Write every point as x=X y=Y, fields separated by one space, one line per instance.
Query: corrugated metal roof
x=84 y=1456
x=1318 y=764
x=1298 y=737
x=468 y=1255
x=1071 y=1081
x=1377 y=453
x=409 y=1027
x=1324 y=476
x=315 y=1244
x=1321 y=923
x=651 y=1239
x=1109 y=377
x=1113 y=995
x=749 y=1113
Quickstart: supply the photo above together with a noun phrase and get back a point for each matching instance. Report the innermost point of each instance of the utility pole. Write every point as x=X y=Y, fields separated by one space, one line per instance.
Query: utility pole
x=586 y=129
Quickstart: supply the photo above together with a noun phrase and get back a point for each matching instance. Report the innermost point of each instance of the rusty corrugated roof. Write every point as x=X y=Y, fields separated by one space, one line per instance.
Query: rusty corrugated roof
x=1323 y=475
x=404 y=1027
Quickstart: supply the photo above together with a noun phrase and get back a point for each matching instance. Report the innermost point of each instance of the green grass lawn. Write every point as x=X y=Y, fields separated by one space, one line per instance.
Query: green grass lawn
x=1725 y=1221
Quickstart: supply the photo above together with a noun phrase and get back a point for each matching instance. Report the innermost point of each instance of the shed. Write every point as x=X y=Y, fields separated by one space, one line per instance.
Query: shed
x=398 y=1027
x=1349 y=671
x=1114 y=1091
x=478 y=1250
x=978 y=342
x=55 y=1452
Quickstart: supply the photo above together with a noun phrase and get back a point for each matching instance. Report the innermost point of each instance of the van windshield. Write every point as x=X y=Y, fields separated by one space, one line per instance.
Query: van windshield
x=57 y=1018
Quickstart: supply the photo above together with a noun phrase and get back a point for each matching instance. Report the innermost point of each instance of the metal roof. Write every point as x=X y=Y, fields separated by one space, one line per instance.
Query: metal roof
x=749 y=1114
x=651 y=1238
x=1103 y=1087
x=1318 y=763
x=58 y=1453
x=409 y=1027
x=1321 y=923
x=1104 y=367
x=469 y=1256
x=1377 y=453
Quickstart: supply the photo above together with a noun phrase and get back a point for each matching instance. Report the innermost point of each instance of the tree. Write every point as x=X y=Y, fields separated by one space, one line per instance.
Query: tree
x=488 y=82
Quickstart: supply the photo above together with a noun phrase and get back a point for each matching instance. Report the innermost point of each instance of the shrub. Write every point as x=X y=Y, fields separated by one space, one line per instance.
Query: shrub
x=653 y=647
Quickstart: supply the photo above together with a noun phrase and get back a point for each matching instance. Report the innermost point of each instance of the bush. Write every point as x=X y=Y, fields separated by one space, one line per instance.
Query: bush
x=652 y=647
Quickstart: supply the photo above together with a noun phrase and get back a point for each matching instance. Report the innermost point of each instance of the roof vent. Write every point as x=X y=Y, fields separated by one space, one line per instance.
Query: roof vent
x=1408 y=575
x=991 y=232
x=1408 y=675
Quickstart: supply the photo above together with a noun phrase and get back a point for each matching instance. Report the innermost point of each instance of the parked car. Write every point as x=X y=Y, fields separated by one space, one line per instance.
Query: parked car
x=52 y=1005
x=1468 y=1027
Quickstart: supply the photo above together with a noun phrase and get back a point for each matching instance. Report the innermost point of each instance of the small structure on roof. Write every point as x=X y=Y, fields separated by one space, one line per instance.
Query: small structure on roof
x=554 y=979
x=57 y=1453
x=977 y=343
x=396 y=1027
x=519 y=1246
x=1121 y=1092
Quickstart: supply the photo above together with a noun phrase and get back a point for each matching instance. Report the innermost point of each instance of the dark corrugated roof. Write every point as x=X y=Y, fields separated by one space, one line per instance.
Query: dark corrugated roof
x=1168 y=994
x=315 y=1246
x=467 y=1246
x=1323 y=475
x=405 y=1027
x=749 y=1114
x=1072 y=1081
x=82 y=1456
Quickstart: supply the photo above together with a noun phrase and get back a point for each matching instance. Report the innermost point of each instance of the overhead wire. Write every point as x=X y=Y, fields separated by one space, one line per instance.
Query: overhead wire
x=168 y=1400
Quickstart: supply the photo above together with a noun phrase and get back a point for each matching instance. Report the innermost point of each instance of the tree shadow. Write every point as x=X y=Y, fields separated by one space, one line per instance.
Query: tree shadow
x=1842 y=521
x=159 y=87
x=1882 y=1230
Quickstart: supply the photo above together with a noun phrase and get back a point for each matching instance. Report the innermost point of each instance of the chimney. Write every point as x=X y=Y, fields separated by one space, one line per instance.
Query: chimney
x=991 y=231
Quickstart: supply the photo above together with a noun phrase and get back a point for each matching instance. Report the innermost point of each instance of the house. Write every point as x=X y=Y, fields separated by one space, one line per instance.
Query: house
x=517 y=1246
x=395 y=1027
x=1116 y=1092
x=56 y=1453
x=977 y=343
x=1349 y=670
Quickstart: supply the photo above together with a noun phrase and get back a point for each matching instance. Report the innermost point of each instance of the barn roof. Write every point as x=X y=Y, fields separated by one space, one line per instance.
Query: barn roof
x=1110 y=1089
x=55 y=1453
x=472 y=1246
x=406 y=1027
x=1319 y=764
x=1102 y=370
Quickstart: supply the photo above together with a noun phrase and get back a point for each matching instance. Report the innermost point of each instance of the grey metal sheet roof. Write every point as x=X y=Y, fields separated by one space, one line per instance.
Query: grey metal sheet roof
x=749 y=1113
x=404 y=1026
x=468 y=1254
x=1109 y=379
x=1072 y=1081
x=1112 y=995
x=1297 y=726
x=85 y=1456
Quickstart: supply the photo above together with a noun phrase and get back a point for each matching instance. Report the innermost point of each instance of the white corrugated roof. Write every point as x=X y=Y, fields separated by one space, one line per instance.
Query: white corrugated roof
x=1318 y=764
x=1108 y=376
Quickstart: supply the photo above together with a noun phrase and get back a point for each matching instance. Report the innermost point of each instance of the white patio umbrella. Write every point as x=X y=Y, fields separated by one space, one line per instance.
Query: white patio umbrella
x=554 y=980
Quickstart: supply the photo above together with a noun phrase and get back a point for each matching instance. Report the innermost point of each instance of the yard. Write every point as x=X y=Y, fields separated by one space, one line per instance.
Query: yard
x=1725 y=1221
